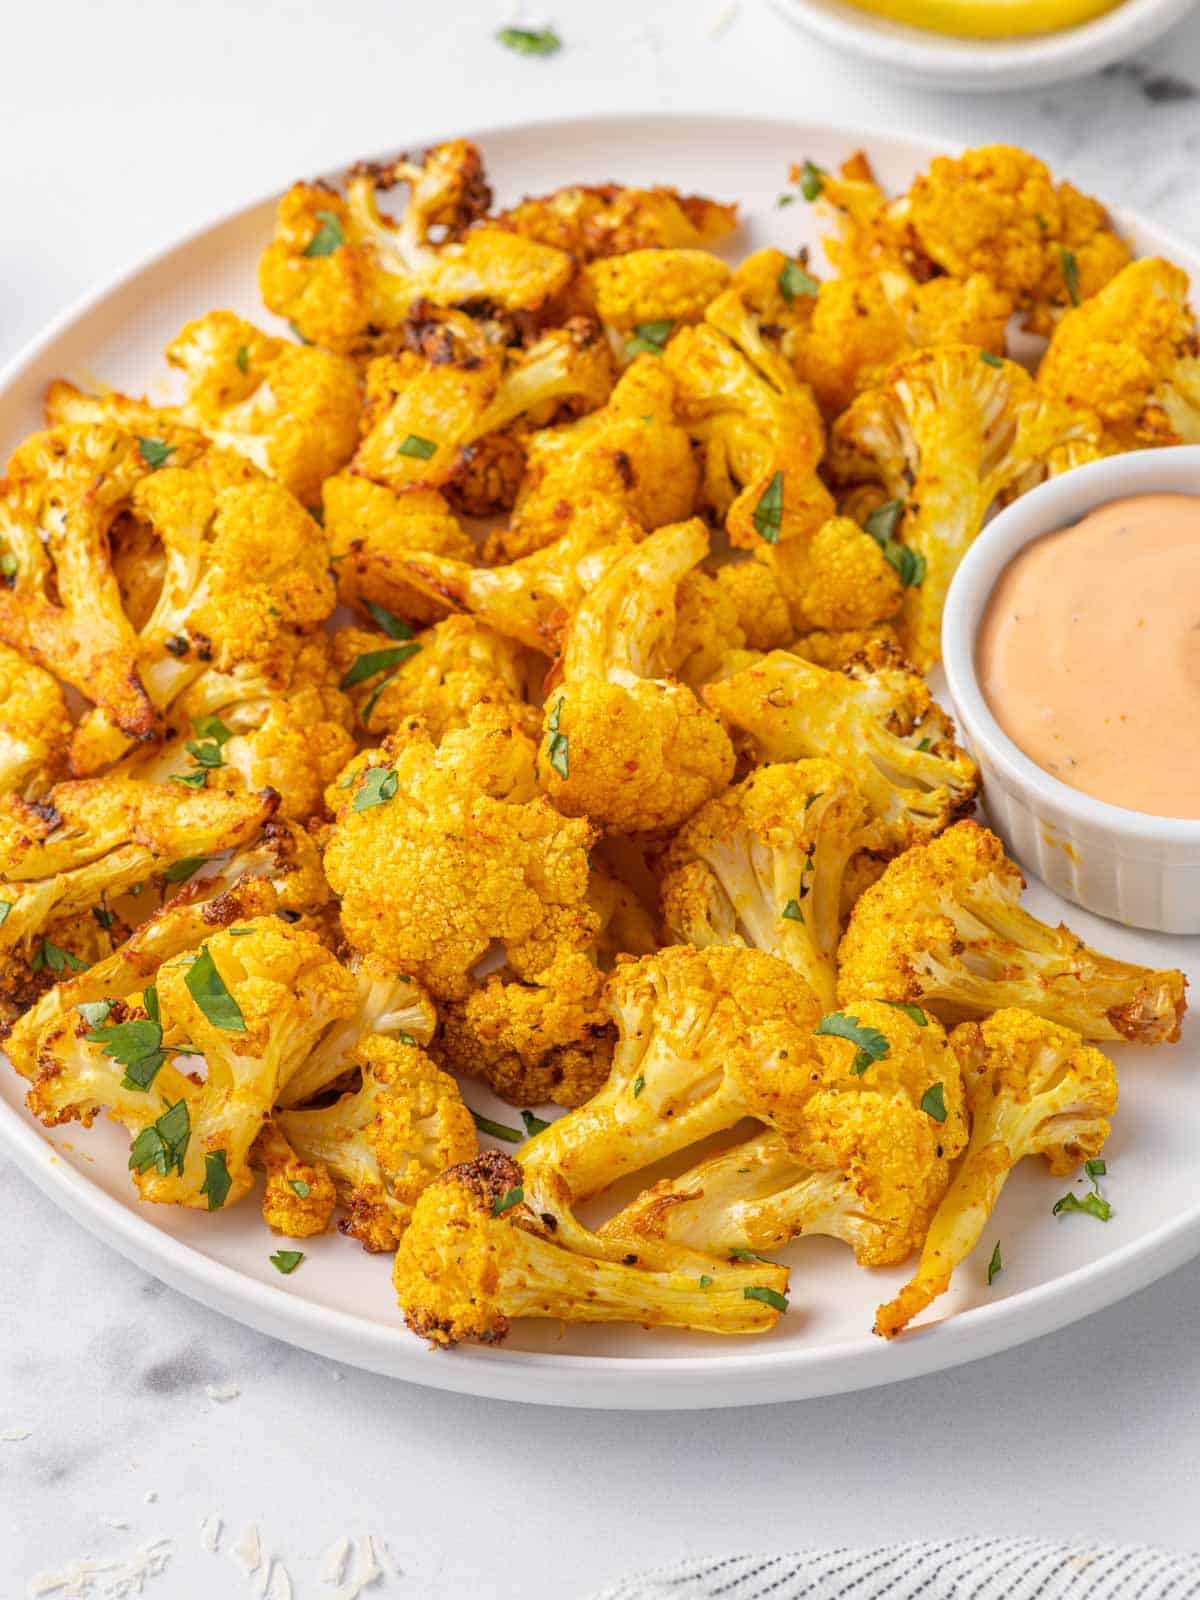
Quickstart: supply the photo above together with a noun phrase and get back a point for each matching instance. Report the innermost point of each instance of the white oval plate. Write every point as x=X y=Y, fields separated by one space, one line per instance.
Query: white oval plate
x=340 y=1301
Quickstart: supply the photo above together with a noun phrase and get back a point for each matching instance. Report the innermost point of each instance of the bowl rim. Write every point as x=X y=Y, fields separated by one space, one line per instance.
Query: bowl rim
x=1054 y=504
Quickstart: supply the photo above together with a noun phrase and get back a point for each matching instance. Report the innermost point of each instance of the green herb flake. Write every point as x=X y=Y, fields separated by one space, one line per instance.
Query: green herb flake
x=8 y=564
x=366 y=666
x=995 y=1266
x=705 y=1280
x=328 y=237
x=1070 y=272
x=238 y=933
x=992 y=361
x=530 y=41
x=379 y=785
x=769 y=1297
x=913 y=1013
x=910 y=564
x=1093 y=1203
x=533 y=1125
x=870 y=1044
x=217 y=1182
x=812 y=180
x=5 y=907
x=395 y=627
x=54 y=958
x=95 y=1012
x=103 y=916
x=793 y=282
x=207 y=988
x=933 y=1102
x=155 y=452
x=295 y=327
x=924 y=745
x=243 y=358
x=372 y=699
x=882 y=522
x=505 y=1202
x=738 y=1253
x=404 y=1038
x=190 y=780
x=150 y=1003
x=300 y=1187
x=180 y=871
x=498 y=1130
x=768 y=513
x=135 y=1045
x=649 y=338
x=558 y=751
x=416 y=447
x=163 y=1145
x=286 y=1261
x=639 y=1083
x=792 y=911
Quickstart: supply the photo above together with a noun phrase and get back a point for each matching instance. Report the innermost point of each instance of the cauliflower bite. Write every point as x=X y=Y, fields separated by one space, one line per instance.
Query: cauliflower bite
x=432 y=868
x=625 y=745
x=841 y=581
x=477 y=1255
x=290 y=409
x=762 y=612
x=532 y=1043
x=838 y=649
x=35 y=728
x=1131 y=355
x=251 y=1003
x=384 y=1143
x=868 y=1161
x=298 y=1196
x=592 y=222
x=946 y=435
x=706 y=1037
x=707 y=630
x=942 y=928
x=655 y=286
x=631 y=453
x=762 y=865
x=876 y=719
x=342 y=272
x=1034 y=1088
x=441 y=674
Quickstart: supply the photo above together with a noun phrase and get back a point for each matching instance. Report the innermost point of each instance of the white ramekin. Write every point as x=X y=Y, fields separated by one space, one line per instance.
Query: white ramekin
x=1134 y=868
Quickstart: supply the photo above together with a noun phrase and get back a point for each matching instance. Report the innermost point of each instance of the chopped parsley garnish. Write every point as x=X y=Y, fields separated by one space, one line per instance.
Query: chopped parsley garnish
x=924 y=745
x=649 y=338
x=933 y=1102
x=794 y=281
x=211 y=738
x=1093 y=1203
x=372 y=699
x=286 y=1261
x=366 y=666
x=881 y=525
x=155 y=452
x=191 y=780
x=769 y=1297
x=404 y=1038
x=792 y=911
x=243 y=358
x=505 y=1202
x=164 y=1143
x=1096 y=1169
x=207 y=988
x=995 y=1266
x=768 y=513
x=870 y=1045
x=705 y=1280
x=639 y=1083
x=498 y=1130
x=558 y=751
x=150 y=1003
x=740 y=1254
x=420 y=449
x=102 y=914
x=1070 y=272
x=914 y=1013
x=992 y=361
x=180 y=871
x=327 y=238
x=379 y=784
x=296 y=331
x=812 y=180
x=217 y=1182
x=530 y=41
x=301 y=1188
x=5 y=907
x=238 y=933
x=94 y=1012
x=395 y=627
x=317 y=513
x=533 y=1124
x=54 y=958
x=134 y=1045
x=8 y=564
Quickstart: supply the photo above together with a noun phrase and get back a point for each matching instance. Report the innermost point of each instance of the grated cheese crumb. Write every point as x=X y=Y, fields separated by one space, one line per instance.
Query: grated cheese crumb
x=210 y=1533
x=105 y=1580
x=222 y=1391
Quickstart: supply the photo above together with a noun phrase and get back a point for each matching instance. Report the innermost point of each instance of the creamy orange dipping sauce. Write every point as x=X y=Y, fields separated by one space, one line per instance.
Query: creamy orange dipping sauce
x=1089 y=654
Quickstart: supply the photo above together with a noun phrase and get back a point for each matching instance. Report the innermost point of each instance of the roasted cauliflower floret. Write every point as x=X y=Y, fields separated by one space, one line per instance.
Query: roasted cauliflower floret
x=477 y=1255
x=762 y=612
x=837 y=649
x=432 y=868
x=35 y=727
x=372 y=530
x=707 y=630
x=655 y=286
x=387 y=1140
x=842 y=581
x=867 y=1163
x=290 y=409
x=946 y=434
x=876 y=719
x=942 y=928
x=762 y=865
x=706 y=1037
x=593 y=222
x=1034 y=1088
x=298 y=1196
x=624 y=744
x=342 y=272
x=1131 y=355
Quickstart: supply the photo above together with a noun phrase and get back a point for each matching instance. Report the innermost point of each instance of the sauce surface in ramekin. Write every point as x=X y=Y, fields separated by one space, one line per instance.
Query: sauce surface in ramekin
x=1089 y=654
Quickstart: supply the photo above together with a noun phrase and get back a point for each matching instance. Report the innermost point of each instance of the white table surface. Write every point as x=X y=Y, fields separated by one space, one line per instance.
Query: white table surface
x=122 y=124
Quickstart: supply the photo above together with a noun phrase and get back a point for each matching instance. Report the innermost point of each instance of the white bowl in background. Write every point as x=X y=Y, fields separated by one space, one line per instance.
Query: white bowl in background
x=1127 y=865
x=944 y=61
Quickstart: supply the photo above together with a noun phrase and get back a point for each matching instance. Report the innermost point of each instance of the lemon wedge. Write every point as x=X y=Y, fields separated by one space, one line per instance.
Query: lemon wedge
x=989 y=19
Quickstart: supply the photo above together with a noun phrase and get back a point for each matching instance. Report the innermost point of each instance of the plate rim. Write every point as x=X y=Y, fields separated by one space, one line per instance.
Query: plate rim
x=749 y=1375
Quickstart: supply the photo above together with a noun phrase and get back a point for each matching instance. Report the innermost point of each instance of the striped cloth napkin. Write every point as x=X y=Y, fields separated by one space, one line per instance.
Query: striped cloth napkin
x=950 y=1569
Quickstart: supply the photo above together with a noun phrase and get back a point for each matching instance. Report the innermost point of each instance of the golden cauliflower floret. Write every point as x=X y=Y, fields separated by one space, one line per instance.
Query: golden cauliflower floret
x=762 y=611
x=35 y=727
x=624 y=744
x=1131 y=355
x=843 y=582
x=533 y=1043
x=431 y=869
x=384 y=1142
x=592 y=222
x=836 y=649
x=298 y=1196
x=707 y=628
x=655 y=286
x=943 y=929
x=1034 y=1088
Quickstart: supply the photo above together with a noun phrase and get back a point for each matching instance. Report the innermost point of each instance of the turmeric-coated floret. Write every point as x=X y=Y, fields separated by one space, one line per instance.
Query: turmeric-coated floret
x=836 y=649
x=707 y=630
x=372 y=529
x=477 y=1256
x=877 y=719
x=1034 y=1088
x=942 y=928
x=298 y=1196
x=592 y=222
x=385 y=1142
x=762 y=612
x=35 y=727
x=762 y=865
x=655 y=286
x=842 y=581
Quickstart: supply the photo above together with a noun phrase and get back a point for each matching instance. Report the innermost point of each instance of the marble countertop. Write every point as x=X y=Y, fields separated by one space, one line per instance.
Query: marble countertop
x=123 y=124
